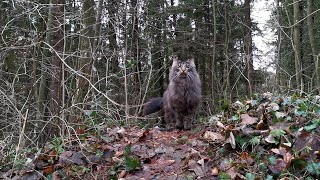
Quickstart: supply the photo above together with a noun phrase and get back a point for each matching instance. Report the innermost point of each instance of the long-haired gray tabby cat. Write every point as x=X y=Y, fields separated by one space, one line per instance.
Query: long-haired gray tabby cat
x=182 y=97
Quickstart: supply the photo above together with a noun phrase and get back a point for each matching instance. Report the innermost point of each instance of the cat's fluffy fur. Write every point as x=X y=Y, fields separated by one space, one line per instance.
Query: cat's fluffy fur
x=182 y=97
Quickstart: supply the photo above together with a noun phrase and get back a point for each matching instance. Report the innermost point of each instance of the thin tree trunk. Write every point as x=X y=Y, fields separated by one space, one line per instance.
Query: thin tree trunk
x=226 y=69
x=297 y=45
x=134 y=48
x=97 y=29
x=112 y=36
x=248 y=45
x=310 y=24
x=213 y=61
x=278 y=74
x=85 y=61
x=58 y=43
x=43 y=87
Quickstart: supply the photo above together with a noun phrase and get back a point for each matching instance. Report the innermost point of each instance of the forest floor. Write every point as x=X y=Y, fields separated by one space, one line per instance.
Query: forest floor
x=270 y=137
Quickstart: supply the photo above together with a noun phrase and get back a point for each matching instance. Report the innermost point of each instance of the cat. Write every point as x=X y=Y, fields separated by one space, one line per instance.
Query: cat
x=182 y=97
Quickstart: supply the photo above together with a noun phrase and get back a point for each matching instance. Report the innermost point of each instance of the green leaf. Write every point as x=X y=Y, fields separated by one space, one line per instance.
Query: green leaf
x=234 y=118
x=127 y=150
x=262 y=167
x=314 y=168
x=250 y=176
x=317 y=109
x=272 y=160
x=132 y=163
x=277 y=132
x=224 y=176
x=310 y=127
x=255 y=140
x=269 y=177
x=299 y=163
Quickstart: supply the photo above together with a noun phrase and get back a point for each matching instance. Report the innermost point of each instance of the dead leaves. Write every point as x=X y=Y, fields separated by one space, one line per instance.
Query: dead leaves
x=257 y=139
x=248 y=120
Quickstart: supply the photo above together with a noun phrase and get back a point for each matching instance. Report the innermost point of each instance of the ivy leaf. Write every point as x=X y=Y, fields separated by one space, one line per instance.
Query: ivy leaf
x=314 y=168
x=255 y=140
x=299 y=163
x=277 y=132
x=250 y=176
x=132 y=163
x=310 y=127
x=127 y=151
x=269 y=177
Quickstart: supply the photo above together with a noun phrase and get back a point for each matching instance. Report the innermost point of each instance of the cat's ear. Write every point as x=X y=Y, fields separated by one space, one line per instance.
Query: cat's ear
x=174 y=60
x=191 y=61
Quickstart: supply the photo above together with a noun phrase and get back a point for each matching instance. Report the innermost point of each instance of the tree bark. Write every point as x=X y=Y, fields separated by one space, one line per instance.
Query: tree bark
x=297 y=45
x=213 y=61
x=226 y=68
x=278 y=60
x=58 y=44
x=85 y=60
x=248 y=46
x=43 y=87
x=310 y=24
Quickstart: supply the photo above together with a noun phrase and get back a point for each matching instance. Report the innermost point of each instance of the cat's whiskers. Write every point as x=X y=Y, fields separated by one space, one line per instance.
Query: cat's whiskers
x=175 y=77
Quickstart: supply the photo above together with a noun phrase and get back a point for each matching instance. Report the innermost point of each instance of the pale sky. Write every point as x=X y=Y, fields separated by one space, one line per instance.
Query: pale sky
x=261 y=12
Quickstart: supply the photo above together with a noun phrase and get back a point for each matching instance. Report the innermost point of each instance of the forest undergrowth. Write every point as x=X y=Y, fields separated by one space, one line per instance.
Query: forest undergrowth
x=269 y=137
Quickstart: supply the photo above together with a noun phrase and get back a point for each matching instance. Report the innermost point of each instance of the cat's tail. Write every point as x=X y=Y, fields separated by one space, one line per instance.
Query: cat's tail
x=153 y=105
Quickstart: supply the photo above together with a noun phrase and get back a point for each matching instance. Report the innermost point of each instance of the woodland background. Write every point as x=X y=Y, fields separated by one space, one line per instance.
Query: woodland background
x=63 y=62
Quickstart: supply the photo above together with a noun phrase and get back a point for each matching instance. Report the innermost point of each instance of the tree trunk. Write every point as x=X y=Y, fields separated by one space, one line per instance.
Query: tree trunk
x=310 y=24
x=213 y=61
x=85 y=60
x=43 y=87
x=248 y=46
x=112 y=36
x=226 y=68
x=58 y=44
x=297 y=45
x=278 y=60
x=134 y=48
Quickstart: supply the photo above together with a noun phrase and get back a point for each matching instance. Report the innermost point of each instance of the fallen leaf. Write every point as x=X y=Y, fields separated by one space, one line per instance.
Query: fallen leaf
x=278 y=167
x=34 y=175
x=65 y=157
x=288 y=158
x=196 y=168
x=273 y=107
x=219 y=124
x=247 y=158
x=194 y=154
x=281 y=151
x=213 y=136
x=248 y=120
x=232 y=172
x=270 y=139
x=280 y=114
x=48 y=170
x=307 y=144
x=260 y=125
x=122 y=174
x=231 y=140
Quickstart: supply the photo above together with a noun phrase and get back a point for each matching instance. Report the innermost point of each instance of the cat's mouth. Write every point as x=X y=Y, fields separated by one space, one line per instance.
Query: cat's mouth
x=183 y=75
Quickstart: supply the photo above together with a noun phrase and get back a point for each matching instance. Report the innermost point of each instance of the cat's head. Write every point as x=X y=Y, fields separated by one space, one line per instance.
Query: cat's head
x=183 y=69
